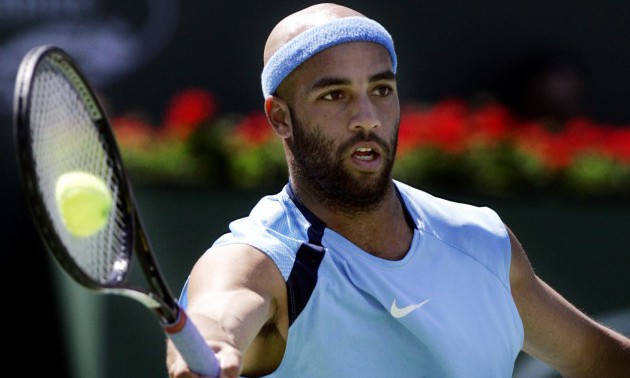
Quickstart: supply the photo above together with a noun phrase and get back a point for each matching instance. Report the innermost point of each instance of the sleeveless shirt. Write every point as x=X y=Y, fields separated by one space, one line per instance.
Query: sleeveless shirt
x=444 y=310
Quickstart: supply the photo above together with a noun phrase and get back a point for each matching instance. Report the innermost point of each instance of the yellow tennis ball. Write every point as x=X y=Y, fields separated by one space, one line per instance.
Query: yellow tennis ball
x=84 y=202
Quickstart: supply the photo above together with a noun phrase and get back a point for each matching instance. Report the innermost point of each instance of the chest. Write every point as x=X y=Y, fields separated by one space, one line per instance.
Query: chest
x=438 y=311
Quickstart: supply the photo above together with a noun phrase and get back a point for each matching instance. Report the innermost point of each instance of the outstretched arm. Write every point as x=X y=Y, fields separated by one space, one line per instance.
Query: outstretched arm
x=237 y=299
x=557 y=333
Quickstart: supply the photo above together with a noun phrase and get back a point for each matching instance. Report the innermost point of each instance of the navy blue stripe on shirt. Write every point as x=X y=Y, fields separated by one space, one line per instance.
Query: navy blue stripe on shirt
x=303 y=276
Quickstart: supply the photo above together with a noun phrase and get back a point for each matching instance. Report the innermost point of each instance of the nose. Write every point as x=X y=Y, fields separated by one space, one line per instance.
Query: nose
x=365 y=115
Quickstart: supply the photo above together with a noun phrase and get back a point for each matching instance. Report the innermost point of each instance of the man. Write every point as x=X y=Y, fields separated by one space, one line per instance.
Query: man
x=348 y=273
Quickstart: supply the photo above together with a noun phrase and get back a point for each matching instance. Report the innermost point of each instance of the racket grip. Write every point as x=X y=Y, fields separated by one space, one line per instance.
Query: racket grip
x=192 y=346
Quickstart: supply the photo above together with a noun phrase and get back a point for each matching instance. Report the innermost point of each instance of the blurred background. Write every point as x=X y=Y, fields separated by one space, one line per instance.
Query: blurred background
x=545 y=62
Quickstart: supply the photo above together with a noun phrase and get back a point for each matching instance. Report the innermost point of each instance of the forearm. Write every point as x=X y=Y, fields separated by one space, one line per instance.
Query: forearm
x=558 y=333
x=234 y=317
x=576 y=345
x=233 y=293
x=611 y=357
x=230 y=322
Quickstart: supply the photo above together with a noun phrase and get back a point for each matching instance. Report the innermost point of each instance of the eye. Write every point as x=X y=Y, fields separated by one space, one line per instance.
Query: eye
x=333 y=96
x=382 y=90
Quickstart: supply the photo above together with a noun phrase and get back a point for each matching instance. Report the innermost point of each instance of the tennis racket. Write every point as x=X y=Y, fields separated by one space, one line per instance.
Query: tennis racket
x=60 y=127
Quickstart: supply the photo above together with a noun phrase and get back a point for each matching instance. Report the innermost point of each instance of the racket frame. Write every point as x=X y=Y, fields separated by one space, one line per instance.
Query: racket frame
x=157 y=296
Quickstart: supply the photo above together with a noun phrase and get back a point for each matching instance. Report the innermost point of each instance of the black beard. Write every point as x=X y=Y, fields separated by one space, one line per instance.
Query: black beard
x=320 y=168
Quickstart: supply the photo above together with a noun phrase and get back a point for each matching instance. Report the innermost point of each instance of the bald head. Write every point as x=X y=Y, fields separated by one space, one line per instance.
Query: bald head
x=301 y=21
x=303 y=34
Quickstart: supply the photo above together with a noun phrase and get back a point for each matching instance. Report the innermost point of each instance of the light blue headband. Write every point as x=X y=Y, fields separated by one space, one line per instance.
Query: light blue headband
x=305 y=45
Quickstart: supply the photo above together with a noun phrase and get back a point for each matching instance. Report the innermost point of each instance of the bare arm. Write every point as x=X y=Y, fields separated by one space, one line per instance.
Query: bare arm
x=237 y=299
x=557 y=333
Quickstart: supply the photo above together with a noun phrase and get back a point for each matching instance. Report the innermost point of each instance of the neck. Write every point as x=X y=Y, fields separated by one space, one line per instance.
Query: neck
x=382 y=230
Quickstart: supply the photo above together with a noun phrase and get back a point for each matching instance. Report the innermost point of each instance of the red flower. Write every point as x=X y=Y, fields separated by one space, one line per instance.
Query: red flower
x=535 y=138
x=617 y=144
x=449 y=125
x=132 y=131
x=410 y=133
x=559 y=149
x=442 y=126
x=254 y=128
x=187 y=110
x=491 y=123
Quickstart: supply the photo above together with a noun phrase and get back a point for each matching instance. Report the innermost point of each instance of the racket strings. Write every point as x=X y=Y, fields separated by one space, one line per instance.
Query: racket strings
x=65 y=138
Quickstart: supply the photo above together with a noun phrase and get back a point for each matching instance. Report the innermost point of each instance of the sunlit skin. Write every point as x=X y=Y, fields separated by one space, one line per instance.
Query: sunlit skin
x=320 y=163
x=345 y=151
x=348 y=94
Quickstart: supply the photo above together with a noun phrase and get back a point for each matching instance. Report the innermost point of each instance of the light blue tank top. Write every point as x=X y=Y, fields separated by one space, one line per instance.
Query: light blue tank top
x=444 y=310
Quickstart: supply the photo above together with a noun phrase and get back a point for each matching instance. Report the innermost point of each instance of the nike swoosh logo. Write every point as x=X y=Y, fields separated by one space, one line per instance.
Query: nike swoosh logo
x=398 y=312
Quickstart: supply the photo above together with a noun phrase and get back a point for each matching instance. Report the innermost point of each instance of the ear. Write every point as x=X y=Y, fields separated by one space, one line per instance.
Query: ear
x=277 y=112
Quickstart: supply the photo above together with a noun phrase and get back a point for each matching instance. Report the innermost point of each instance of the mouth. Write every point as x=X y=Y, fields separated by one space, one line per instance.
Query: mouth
x=365 y=154
x=366 y=158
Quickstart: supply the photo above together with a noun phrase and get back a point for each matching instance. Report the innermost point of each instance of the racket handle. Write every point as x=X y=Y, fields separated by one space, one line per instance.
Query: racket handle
x=192 y=346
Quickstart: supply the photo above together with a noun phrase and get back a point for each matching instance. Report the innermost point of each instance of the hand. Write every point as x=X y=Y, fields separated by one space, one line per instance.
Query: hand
x=228 y=356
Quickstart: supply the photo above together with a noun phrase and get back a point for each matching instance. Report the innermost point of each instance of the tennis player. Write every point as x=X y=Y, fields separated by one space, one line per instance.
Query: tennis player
x=348 y=273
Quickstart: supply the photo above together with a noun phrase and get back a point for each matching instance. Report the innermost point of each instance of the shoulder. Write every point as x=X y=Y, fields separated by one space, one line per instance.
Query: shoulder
x=274 y=226
x=477 y=231
x=443 y=216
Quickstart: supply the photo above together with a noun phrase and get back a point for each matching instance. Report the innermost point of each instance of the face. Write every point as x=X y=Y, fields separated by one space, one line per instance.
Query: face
x=344 y=116
x=319 y=163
